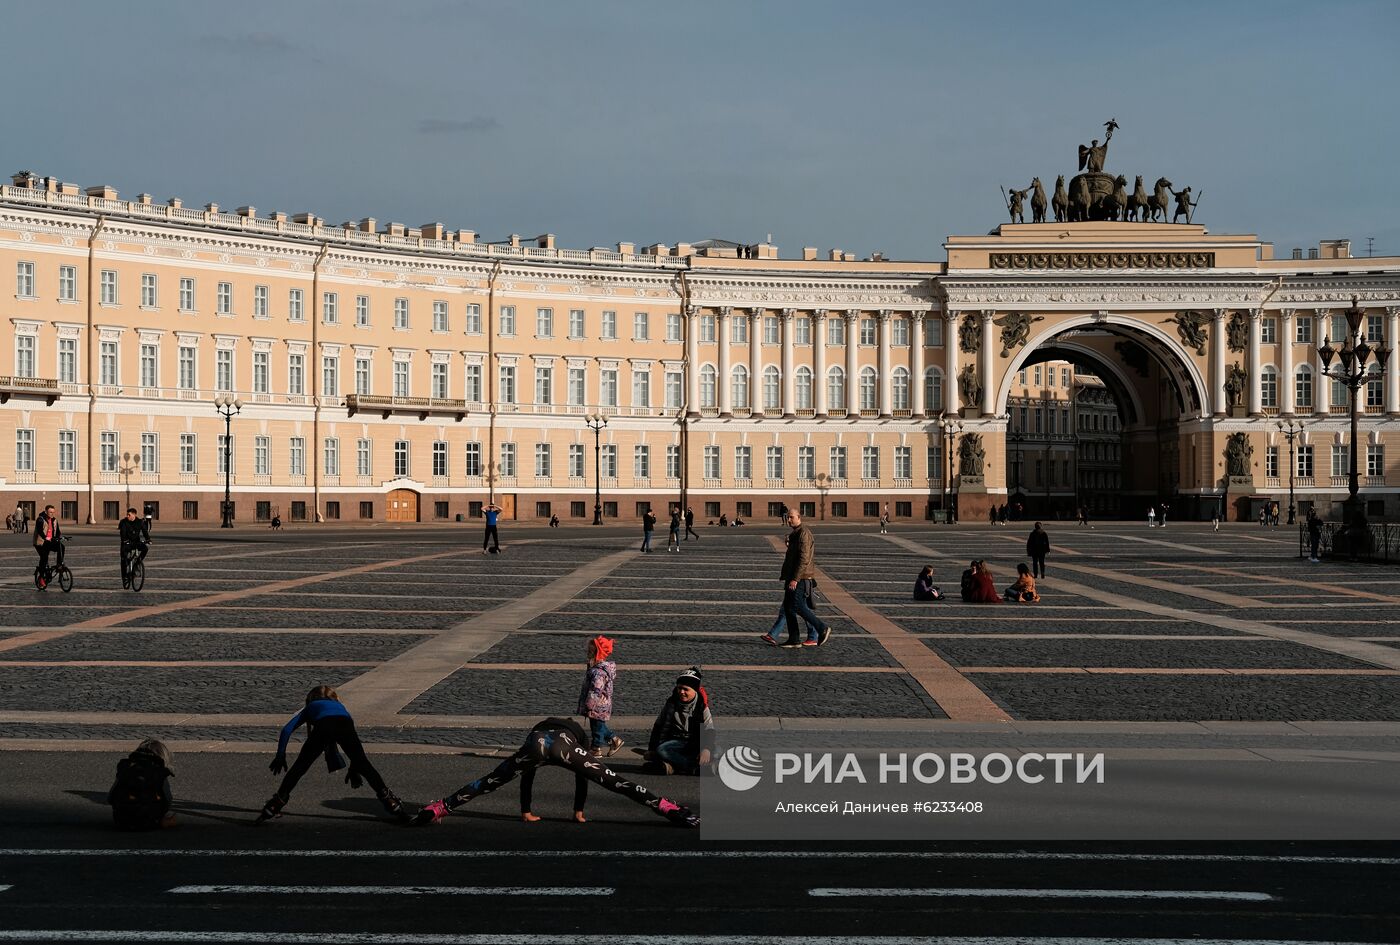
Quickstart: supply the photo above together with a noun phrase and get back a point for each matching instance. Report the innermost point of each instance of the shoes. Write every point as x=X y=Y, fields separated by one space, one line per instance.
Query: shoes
x=614 y=745
x=789 y=644
x=824 y=636
x=768 y=637
x=430 y=814
x=273 y=808
x=810 y=643
x=392 y=805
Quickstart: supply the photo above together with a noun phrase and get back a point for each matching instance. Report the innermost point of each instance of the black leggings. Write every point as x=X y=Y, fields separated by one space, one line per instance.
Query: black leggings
x=559 y=747
x=327 y=734
x=491 y=536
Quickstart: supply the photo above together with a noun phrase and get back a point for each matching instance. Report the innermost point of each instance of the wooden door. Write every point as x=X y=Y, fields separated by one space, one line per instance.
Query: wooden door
x=506 y=500
x=402 y=506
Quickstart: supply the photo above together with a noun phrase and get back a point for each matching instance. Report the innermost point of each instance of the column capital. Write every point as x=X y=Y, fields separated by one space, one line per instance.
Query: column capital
x=692 y=310
x=1286 y=313
x=1218 y=314
x=1321 y=311
x=918 y=315
x=1255 y=314
x=788 y=313
x=951 y=316
x=988 y=314
x=724 y=310
x=1393 y=311
x=819 y=314
x=756 y=312
x=885 y=314
x=851 y=314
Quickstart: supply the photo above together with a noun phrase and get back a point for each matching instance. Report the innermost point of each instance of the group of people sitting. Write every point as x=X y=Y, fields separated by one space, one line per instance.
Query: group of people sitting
x=978 y=586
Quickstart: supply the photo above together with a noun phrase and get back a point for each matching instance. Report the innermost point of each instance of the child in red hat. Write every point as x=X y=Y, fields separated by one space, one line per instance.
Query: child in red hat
x=595 y=701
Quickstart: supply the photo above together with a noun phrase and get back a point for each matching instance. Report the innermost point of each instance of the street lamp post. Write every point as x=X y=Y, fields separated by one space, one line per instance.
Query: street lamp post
x=951 y=428
x=596 y=422
x=130 y=463
x=1290 y=430
x=1351 y=371
x=227 y=406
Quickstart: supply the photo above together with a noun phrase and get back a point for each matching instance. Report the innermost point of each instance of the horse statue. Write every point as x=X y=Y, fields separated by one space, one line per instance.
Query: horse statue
x=1060 y=202
x=1038 y=203
x=1080 y=201
x=1137 y=202
x=1160 y=201
x=1114 y=206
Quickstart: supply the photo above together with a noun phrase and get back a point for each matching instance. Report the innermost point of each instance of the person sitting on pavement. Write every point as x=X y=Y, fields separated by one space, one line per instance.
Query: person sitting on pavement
x=969 y=579
x=140 y=795
x=683 y=735
x=984 y=589
x=924 y=588
x=1023 y=590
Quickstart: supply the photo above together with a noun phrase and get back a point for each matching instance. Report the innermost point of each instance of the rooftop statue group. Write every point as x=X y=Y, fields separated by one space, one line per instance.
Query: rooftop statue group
x=1095 y=195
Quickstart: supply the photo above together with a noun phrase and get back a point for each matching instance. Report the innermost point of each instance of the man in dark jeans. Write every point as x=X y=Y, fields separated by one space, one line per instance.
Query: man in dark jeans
x=1037 y=547
x=690 y=521
x=798 y=576
x=492 y=512
x=134 y=533
x=1314 y=534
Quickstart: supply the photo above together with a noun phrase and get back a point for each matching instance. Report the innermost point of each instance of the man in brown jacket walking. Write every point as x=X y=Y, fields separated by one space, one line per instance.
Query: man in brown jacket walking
x=798 y=576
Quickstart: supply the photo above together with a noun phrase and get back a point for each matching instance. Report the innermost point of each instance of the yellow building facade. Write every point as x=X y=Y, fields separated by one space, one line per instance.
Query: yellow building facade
x=395 y=373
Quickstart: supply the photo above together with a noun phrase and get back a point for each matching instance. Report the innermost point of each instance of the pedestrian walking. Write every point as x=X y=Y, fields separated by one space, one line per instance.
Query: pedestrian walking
x=554 y=521
x=673 y=543
x=1037 y=547
x=1215 y=520
x=648 y=526
x=492 y=537
x=595 y=701
x=690 y=524
x=885 y=519
x=1162 y=519
x=1314 y=535
x=1152 y=516
x=797 y=577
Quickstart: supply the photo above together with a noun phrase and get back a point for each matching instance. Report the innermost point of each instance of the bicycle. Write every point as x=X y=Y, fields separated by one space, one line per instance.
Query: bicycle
x=135 y=576
x=44 y=577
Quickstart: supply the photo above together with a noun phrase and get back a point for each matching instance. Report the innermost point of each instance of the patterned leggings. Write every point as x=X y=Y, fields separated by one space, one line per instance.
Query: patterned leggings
x=559 y=747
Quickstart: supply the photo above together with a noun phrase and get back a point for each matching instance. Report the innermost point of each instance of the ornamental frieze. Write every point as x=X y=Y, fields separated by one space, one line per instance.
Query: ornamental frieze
x=1103 y=260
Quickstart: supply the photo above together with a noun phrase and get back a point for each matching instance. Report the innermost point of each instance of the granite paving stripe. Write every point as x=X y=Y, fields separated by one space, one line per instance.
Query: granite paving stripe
x=1238 y=652
x=111 y=664
x=56 y=615
x=164 y=689
x=1216 y=597
x=188 y=646
x=1040 y=625
x=752 y=624
x=1293 y=581
x=249 y=619
x=1169 y=671
x=791 y=694
x=685 y=651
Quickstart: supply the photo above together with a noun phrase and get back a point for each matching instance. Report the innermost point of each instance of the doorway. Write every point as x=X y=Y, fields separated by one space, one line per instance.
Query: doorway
x=401 y=506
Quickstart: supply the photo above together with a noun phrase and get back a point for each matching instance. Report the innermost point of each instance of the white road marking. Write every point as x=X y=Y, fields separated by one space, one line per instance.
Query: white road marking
x=3 y=888
x=843 y=892
x=396 y=890
x=1009 y=855
x=494 y=938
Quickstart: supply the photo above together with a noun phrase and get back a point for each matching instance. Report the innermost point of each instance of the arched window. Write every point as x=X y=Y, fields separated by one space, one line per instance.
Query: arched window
x=803 y=383
x=707 y=386
x=900 y=383
x=933 y=390
x=1303 y=387
x=869 y=389
x=836 y=389
x=739 y=388
x=772 y=388
x=1268 y=387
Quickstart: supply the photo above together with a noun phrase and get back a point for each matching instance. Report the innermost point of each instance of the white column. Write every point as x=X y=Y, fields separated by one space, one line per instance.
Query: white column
x=1392 y=365
x=1256 y=363
x=1219 y=401
x=1285 y=357
x=916 y=362
x=819 y=361
x=789 y=387
x=886 y=382
x=756 y=360
x=722 y=336
x=988 y=395
x=950 y=363
x=692 y=359
x=852 y=362
x=1322 y=384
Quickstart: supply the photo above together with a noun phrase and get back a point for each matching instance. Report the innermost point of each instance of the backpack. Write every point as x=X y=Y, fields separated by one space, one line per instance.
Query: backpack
x=140 y=797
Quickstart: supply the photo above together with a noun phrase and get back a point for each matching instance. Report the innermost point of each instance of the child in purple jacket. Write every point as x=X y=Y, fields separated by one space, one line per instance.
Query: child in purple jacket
x=595 y=700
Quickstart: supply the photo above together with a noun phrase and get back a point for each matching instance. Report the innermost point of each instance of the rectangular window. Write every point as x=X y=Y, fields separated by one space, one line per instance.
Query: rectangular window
x=401 y=457
x=802 y=330
x=330 y=308
x=508 y=459
x=68 y=360
x=223 y=370
x=331 y=456
x=640 y=328
x=223 y=304
x=903 y=462
x=578 y=386
x=543 y=464
x=439 y=315
x=707 y=329
x=641 y=461
x=295 y=311
x=401 y=314
x=24 y=451
x=107 y=451
x=933 y=331
x=1268 y=331
x=400 y=378
x=837 y=460
x=439 y=388
x=262 y=372
x=363 y=458
x=1341 y=460
x=899 y=332
x=366 y=510
x=109 y=287
x=711 y=462
x=189 y=510
x=25 y=356
x=1305 y=461
x=473 y=319
x=576 y=460
x=472 y=460
x=296 y=374
x=609 y=326
x=262 y=455
x=107 y=363
x=1303 y=330
x=935 y=462
x=743 y=462
x=739 y=330
x=67 y=450
x=1375 y=332
x=507 y=320
x=440 y=458
x=330 y=375
x=68 y=283
x=148 y=365
x=544 y=323
x=673 y=461
x=506 y=393
x=260 y=296
x=674 y=388
x=362 y=375
x=1271 y=462
x=186 y=294
x=187 y=453
x=148 y=290
x=641 y=388
x=607 y=387
x=1375 y=459
x=544 y=384
x=806 y=463
x=362 y=311
x=836 y=330
x=333 y=511
x=608 y=457
x=867 y=332
x=772 y=331
x=576 y=323
x=673 y=326
x=870 y=462
x=773 y=462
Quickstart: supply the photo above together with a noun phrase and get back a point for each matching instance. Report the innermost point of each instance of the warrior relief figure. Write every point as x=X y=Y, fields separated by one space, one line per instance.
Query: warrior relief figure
x=968 y=387
x=1184 y=204
x=1238 y=453
x=1015 y=204
x=969 y=335
x=971 y=455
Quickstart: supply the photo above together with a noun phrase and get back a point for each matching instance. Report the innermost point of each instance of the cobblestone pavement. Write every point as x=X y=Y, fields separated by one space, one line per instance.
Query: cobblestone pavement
x=1177 y=624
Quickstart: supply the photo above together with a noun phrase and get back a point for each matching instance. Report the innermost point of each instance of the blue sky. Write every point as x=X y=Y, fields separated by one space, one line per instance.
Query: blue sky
x=869 y=127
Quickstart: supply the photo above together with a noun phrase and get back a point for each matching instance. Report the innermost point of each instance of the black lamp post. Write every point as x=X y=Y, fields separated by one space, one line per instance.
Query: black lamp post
x=1290 y=430
x=227 y=406
x=951 y=428
x=1351 y=371
x=596 y=422
x=130 y=463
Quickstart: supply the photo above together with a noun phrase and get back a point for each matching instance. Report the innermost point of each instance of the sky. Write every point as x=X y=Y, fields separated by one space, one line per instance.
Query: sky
x=870 y=127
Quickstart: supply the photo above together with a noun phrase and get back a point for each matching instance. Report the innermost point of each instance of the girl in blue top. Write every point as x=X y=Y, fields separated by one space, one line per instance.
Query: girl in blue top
x=328 y=724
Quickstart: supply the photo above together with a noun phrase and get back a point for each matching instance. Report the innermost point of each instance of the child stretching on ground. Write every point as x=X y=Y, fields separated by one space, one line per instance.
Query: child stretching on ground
x=140 y=796
x=555 y=742
x=595 y=701
x=328 y=724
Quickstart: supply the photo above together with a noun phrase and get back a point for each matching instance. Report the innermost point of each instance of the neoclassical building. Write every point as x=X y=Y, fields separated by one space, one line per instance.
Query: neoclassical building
x=414 y=373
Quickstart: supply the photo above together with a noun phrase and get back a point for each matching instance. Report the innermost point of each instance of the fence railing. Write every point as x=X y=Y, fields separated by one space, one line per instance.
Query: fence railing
x=1371 y=542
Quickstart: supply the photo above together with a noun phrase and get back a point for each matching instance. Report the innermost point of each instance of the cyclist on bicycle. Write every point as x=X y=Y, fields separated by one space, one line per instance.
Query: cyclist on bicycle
x=135 y=534
x=46 y=539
